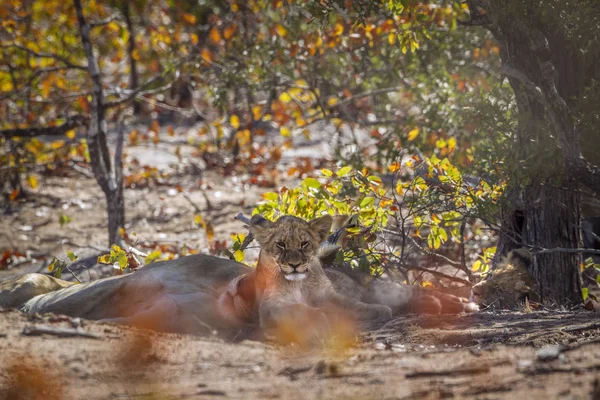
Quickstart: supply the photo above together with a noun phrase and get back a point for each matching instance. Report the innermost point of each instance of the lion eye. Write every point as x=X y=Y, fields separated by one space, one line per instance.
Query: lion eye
x=281 y=245
x=304 y=245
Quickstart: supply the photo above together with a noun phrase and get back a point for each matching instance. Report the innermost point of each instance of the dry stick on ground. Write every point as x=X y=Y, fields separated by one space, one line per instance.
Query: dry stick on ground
x=60 y=332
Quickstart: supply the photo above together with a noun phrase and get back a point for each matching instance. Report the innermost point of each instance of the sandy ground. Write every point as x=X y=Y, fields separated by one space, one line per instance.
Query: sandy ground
x=546 y=355
x=483 y=356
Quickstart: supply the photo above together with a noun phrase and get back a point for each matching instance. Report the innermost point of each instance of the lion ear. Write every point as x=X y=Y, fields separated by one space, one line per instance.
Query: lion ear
x=261 y=228
x=321 y=226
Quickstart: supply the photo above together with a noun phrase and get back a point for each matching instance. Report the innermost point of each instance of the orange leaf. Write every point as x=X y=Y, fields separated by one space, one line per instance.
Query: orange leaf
x=229 y=31
x=214 y=35
x=206 y=55
x=14 y=194
x=189 y=18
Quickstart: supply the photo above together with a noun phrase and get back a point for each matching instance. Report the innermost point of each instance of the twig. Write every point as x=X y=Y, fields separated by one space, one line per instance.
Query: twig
x=584 y=327
x=46 y=55
x=196 y=208
x=441 y=274
x=104 y=21
x=59 y=332
x=74 y=276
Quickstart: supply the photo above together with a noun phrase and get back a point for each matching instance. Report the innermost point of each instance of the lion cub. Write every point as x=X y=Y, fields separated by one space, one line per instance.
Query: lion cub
x=291 y=286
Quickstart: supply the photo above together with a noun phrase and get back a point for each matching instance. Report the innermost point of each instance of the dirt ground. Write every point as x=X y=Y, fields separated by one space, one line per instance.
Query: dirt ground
x=545 y=354
x=485 y=356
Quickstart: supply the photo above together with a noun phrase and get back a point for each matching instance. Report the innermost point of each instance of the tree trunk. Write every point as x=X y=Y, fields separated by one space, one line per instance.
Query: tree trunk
x=133 y=73
x=109 y=178
x=542 y=206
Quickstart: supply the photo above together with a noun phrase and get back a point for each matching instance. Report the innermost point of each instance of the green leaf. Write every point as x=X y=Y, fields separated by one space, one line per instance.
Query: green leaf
x=344 y=171
x=271 y=196
x=64 y=219
x=72 y=256
x=585 y=292
x=366 y=202
x=122 y=260
x=311 y=183
x=152 y=257
x=104 y=259
x=326 y=172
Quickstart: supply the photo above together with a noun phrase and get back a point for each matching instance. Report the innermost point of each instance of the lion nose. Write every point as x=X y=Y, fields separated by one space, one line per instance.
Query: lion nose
x=294 y=265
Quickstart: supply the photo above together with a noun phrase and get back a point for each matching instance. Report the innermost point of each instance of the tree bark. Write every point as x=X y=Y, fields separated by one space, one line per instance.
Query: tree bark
x=133 y=73
x=542 y=207
x=109 y=178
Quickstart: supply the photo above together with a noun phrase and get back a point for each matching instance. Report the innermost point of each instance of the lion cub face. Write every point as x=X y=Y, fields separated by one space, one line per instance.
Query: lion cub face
x=291 y=242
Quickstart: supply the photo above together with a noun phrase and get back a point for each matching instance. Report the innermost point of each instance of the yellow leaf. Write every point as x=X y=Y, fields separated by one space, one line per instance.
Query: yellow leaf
x=243 y=137
x=70 y=134
x=332 y=101
x=395 y=166
x=32 y=180
x=281 y=31
x=451 y=143
x=285 y=97
x=391 y=38
x=238 y=255
x=399 y=188
x=234 y=121
x=285 y=132
x=412 y=135
x=235 y=7
x=113 y=26
x=338 y=29
x=256 y=112
x=6 y=86
x=135 y=54
x=194 y=38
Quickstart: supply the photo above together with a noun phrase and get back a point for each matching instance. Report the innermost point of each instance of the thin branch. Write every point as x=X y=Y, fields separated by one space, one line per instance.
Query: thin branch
x=62 y=59
x=366 y=94
x=429 y=252
x=442 y=275
x=104 y=21
x=35 y=131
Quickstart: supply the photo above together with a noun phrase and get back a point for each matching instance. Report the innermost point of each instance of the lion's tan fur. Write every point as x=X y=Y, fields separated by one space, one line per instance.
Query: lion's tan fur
x=178 y=295
x=202 y=293
x=289 y=250
x=509 y=284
